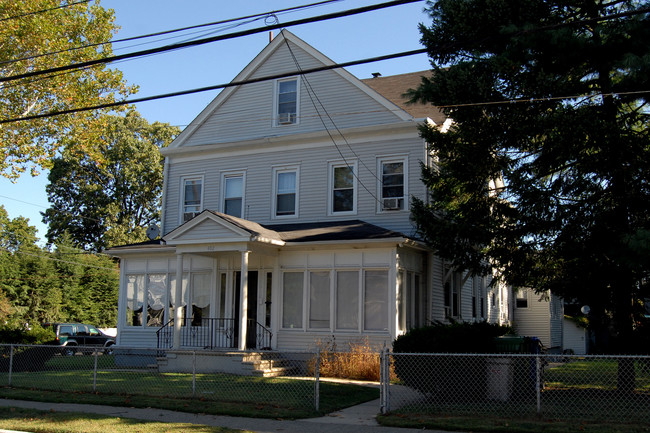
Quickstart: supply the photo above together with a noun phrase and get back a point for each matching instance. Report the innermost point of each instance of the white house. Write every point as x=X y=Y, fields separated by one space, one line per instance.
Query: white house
x=541 y=316
x=286 y=217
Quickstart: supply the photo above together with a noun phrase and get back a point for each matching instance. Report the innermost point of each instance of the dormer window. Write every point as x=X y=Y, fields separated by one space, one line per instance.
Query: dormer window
x=287 y=102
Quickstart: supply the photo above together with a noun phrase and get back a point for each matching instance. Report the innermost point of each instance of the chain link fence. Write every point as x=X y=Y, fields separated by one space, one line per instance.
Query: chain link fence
x=590 y=388
x=281 y=380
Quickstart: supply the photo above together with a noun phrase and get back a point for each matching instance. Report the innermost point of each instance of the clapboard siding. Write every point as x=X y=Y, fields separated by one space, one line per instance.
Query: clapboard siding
x=248 y=111
x=534 y=320
x=313 y=182
x=310 y=341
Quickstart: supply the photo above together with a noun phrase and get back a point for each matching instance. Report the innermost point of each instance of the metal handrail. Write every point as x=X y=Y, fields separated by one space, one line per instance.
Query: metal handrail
x=213 y=333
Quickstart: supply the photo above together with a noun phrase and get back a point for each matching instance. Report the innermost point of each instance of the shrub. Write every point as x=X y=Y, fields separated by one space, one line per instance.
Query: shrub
x=21 y=334
x=449 y=377
x=358 y=361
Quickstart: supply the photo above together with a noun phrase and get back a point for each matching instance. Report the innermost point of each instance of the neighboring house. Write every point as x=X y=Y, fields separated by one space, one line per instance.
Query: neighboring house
x=286 y=216
x=541 y=316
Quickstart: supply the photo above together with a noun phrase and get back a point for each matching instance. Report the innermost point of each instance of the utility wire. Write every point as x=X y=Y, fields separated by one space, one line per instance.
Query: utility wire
x=218 y=86
x=166 y=32
x=210 y=39
x=44 y=10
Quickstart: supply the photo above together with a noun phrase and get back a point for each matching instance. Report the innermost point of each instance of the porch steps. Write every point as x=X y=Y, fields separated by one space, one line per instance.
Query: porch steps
x=261 y=365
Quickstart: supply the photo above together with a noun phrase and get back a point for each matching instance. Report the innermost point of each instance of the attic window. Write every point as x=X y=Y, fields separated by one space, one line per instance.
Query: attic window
x=287 y=102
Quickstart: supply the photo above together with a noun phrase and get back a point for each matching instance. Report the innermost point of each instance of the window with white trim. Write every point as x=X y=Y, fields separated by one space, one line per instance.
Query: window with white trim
x=392 y=187
x=192 y=197
x=233 y=194
x=146 y=297
x=286 y=102
x=521 y=298
x=375 y=301
x=343 y=188
x=347 y=300
x=285 y=202
x=319 y=299
x=292 y=296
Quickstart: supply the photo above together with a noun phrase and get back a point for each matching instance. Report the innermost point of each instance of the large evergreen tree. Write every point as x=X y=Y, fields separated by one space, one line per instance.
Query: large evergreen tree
x=111 y=203
x=544 y=175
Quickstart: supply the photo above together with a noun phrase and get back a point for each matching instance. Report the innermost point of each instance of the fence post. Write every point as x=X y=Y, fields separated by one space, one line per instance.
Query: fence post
x=193 y=373
x=538 y=385
x=95 y=371
x=384 y=377
x=11 y=362
x=317 y=381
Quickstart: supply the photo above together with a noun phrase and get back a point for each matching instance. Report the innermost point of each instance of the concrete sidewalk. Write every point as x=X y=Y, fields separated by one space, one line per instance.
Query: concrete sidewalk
x=356 y=419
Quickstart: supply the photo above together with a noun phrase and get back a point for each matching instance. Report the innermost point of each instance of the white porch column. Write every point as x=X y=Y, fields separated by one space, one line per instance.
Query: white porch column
x=178 y=302
x=243 y=307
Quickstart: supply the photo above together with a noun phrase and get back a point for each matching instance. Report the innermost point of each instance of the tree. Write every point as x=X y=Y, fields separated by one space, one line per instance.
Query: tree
x=110 y=203
x=37 y=35
x=544 y=176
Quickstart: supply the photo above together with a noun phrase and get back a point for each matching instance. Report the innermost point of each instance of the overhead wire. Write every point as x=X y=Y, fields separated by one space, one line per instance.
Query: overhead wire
x=202 y=41
x=165 y=32
x=44 y=10
x=314 y=98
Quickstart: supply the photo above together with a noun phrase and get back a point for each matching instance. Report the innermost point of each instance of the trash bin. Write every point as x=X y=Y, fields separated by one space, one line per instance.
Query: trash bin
x=499 y=378
x=509 y=344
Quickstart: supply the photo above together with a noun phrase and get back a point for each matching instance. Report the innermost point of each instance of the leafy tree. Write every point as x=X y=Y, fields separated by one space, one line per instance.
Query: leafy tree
x=544 y=175
x=114 y=202
x=37 y=35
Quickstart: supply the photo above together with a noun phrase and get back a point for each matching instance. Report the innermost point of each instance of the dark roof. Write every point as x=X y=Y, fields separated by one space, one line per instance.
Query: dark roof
x=394 y=87
x=332 y=231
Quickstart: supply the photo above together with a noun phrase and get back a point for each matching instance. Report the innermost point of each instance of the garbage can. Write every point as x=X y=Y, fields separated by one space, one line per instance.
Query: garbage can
x=499 y=378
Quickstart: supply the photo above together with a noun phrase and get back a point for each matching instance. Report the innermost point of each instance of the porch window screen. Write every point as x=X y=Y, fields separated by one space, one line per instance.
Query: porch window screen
x=200 y=294
x=347 y=300
x=156 y=288
x=292 y=300
x=134 y=300
x=376 y=301
x=319 y=299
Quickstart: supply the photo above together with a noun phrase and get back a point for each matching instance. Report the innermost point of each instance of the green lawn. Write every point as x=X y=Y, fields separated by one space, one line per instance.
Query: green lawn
x=237 y=395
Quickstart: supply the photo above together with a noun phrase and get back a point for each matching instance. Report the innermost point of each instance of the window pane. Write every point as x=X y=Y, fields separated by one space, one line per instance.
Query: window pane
x=376 y=300
x=292 y=300
x=343 y=177
x=343 y=200
x=134 y=299
x=200 y=298
x=156 y=289
x=392 y=180
x=192 y=197
x=286 y=182
x=286 y=204
x=232 y=206
x=347 y=300
x=288 y=86
x=319 y=299
x=234 y=187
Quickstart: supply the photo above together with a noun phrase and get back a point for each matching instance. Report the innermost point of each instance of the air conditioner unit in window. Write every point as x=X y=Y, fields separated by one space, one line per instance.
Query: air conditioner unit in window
x=392 y=204
x=286 y=118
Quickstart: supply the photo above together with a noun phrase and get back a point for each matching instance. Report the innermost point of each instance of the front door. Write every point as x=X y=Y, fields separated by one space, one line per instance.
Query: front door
x=251 y=334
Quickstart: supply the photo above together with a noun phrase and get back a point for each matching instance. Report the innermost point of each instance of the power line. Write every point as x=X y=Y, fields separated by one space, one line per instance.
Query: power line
x=218 y=86
x=210 y=39
x=44 y=10
x=165 y=32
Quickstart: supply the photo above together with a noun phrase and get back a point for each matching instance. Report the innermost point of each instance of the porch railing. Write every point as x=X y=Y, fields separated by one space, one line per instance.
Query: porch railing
x=214 y=333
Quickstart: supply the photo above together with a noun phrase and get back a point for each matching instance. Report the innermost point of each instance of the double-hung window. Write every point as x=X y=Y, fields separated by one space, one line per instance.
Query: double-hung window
x=343 y=188
x=285 y=202
x=233 y=194
x=192 y=197
x=287 y=101
x=392 y=184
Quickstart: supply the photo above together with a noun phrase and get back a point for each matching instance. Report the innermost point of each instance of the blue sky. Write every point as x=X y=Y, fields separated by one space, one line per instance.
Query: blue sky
x=346 y=39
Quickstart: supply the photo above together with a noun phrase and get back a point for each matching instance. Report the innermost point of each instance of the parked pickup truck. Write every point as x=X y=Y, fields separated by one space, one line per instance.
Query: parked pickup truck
x=80 y=337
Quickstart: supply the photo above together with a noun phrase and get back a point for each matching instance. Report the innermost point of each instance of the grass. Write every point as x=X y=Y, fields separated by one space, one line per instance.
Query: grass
x=580 y=395
x=58 y=422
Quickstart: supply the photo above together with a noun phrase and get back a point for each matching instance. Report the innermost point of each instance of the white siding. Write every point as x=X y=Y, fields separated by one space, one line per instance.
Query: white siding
x=313 y=182
x=574 y=338
x=248 y=112
x=534 y=321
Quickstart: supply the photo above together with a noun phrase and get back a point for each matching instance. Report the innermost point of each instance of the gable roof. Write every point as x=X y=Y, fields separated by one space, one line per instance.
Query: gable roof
x=394 y=87
x=382 y=96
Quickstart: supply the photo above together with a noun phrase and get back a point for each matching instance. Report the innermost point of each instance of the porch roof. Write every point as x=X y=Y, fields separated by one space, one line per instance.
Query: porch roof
x=282 y=234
